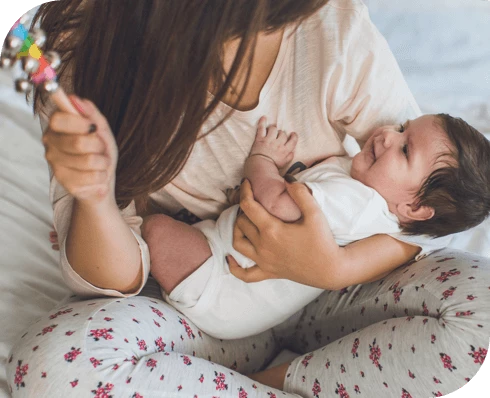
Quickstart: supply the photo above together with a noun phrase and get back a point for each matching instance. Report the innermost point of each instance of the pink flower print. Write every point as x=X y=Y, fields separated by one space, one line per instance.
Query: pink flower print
x=96 y=362
x=446 y=275
x=142 y=345
x=98 y=334
x=390 y=346
x=158 y=312
x=357 y=389
x=59 y=313
x=201 y=379
x=242 y=393
x=355 y=347
x=187 y=360
x=43 y=375
x=162 y=377
x=46 y=330
x=102 y=391
x=74 y=383
x=327 y=364
x=478 y=356
x=271 y=394
x=156 y=323
x=405 y=394
x=316 y=388
x=448 y=293
x=375 y=354
x=199 y=334
x=410 y=374
x=397 y=292
x=471 y=297
x=437 y=394
x=133 y=360
x=69 y=333
x=135 y=320
x=220 y=381
x=306 y=360
x=136 y=395
x=20 y=372
x=362 y=310
x=179 y=388
x=160 y=344
x=433 y=338
x=425 y=320
x=108 y=319
x=465 y=313
x=413 y=348
x=446 y=360
x=436 y=380
x=445 y=259
x=425 y=309
x=188 y=329
x=151 y=363
x=72 y=355
x=128 y=380
x=340 y=391
x=35 y=348
x=115 y=367
x=172 y=345
x=385 y=384
x=362 y=373
x=385 y=307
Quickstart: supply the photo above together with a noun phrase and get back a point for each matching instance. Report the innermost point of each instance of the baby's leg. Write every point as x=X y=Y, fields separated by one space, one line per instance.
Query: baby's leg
x=176 y=249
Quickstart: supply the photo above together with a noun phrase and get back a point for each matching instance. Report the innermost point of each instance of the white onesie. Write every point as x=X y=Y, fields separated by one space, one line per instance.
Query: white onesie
x=228 y=308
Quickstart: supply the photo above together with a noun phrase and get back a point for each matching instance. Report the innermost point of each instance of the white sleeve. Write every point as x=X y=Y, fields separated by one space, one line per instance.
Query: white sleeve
x=426 y=243
x=62 y=210
x=370 y=90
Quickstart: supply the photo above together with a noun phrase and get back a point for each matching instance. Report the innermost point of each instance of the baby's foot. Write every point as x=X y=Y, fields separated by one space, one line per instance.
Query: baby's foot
x=274 y=143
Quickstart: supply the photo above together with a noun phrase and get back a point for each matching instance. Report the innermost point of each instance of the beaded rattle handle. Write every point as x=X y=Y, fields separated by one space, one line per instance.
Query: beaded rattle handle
x=40 y=68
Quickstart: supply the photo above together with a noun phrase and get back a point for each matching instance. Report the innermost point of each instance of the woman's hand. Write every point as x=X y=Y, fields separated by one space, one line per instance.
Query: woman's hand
x=296 y=251
x=82 y=152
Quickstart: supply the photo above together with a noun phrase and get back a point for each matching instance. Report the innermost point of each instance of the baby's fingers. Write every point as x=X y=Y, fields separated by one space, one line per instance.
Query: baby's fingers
x=74 y=144
x=66 y=123
x=292 y=141
x=85 y=162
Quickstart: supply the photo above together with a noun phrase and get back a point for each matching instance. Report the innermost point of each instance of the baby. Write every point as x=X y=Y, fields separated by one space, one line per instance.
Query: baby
x=417 y=182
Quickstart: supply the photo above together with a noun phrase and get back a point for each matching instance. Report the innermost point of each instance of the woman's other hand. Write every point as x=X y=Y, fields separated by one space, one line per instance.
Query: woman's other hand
x=295 y=251
x=82 y=152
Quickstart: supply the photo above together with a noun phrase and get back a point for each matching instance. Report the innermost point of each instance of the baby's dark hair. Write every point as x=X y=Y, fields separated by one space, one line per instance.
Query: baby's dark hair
x=459 y=192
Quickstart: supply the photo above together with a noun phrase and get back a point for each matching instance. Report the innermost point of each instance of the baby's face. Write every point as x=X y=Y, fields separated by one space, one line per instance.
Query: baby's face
x=396 y=160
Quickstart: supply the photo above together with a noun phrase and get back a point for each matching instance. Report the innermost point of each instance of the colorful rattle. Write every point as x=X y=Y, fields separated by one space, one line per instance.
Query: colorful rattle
x=40 y=69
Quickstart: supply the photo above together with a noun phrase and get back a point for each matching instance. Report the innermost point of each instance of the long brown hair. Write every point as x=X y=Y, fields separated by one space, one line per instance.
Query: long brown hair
x=147 y=65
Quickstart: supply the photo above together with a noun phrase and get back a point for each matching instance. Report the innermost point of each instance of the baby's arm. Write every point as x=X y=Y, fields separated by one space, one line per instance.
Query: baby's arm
x=272 y=150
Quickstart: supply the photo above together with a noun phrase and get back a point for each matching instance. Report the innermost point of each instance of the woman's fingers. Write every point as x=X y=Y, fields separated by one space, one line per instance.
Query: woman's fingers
x=249 y=275
x=242 y=244
x=66 y=123
x=85 y=162
x=300 y=193
x=74 y=144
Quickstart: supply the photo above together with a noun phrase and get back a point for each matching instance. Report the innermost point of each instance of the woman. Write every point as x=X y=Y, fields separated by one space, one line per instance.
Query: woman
x=178 y=88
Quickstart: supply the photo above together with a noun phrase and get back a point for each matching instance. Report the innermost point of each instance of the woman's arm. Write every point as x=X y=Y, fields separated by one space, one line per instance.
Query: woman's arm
x=307 y=250
x=101 y=248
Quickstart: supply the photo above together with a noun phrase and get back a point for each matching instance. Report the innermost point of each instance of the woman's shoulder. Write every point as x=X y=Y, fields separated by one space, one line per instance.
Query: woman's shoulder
x=343 y=13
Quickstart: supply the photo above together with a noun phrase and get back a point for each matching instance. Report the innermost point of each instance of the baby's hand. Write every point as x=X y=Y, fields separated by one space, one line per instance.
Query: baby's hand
x=274 y=143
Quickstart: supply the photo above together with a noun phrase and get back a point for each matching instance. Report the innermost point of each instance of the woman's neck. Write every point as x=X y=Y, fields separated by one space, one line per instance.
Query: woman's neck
x=265 y=55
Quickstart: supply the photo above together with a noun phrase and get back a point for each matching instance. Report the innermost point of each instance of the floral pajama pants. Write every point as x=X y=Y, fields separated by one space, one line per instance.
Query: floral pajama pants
x=421 y=332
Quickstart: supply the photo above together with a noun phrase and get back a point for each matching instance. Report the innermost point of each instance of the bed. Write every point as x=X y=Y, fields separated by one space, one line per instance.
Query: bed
x=448 y=70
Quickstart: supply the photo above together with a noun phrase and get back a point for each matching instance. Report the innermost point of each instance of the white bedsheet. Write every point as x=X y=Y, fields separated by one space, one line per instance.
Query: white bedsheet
x=440 y=45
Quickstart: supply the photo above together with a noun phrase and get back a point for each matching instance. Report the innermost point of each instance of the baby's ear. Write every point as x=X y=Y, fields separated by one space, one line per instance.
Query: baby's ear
x=414 y=213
